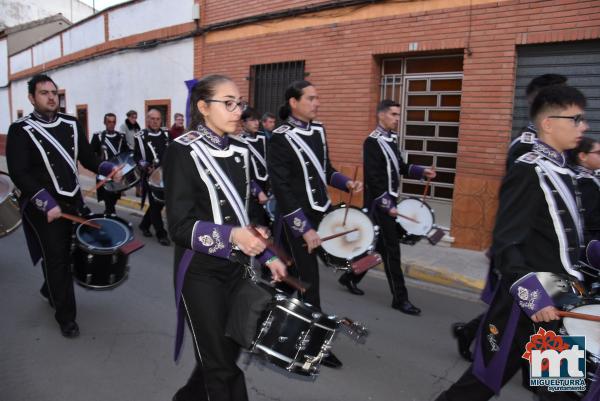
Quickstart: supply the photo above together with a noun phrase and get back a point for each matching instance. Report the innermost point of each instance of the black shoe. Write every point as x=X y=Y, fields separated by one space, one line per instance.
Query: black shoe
x=463 y=339
x=350 y=285
x=146 y=232
x=406 y=307
x=331 y=361
x=164 y=240
x=46 y=296
x=69 y=330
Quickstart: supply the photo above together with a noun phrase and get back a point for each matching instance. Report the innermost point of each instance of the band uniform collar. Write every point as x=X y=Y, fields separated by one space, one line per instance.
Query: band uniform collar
x=531 y=127
x=45 y=118
x=151 y=132
x=382 y=131
x=221 y=142
x=298 y=123
x=110 y=134
x=549 y=152
x=584 y=170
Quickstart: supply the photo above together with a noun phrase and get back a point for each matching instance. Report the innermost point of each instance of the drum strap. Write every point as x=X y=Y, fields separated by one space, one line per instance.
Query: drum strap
x=311 y=155
x=390 y=155
x=258 y=156
x=108 y=143
x=236 y=202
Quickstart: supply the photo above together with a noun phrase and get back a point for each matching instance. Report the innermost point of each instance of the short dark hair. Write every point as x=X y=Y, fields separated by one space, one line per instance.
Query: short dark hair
x=544 y=81
x=249 y=114
x=268 y=115
x=177 y=115
x=384 y=105
x=39 y=78
x=294 y=90
x=109 y=115
x=556 y=96
x=586 y=144
x=131 y=112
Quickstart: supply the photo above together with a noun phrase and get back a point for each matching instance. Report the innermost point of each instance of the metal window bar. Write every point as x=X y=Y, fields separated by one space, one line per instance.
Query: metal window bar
x=269 y=81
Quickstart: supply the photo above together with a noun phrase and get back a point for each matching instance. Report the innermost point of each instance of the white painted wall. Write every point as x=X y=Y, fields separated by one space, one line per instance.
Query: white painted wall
x=3 y=63
x=20 y=61
x=120 y=82
x=15 y=12
x=47 y=50
x=148 y=15
x=88 y=34
x=4 y=111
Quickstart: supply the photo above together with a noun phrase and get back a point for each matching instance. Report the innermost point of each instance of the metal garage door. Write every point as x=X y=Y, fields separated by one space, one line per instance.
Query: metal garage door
x=579 y=61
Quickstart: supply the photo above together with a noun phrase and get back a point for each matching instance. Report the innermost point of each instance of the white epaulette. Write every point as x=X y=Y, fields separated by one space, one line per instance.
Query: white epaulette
x=317 y=122
x=529 y=157
x=139 y=133
x=374 y=134
x=189 y=137
x=527 y=137
x=282 y=129
x=25 y=117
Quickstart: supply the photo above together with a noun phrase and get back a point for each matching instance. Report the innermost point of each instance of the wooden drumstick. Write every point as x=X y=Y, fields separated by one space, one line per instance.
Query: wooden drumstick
x=582 y=316
x=350 y=199
x=333 y=236
x=294 y=283
x=427 y=186
x=280 y=253
x=80 y=220
x=409 y=218
x=109 y=176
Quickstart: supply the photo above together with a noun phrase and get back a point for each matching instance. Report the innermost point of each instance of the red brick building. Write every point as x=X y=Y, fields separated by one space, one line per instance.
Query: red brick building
x=458 y=67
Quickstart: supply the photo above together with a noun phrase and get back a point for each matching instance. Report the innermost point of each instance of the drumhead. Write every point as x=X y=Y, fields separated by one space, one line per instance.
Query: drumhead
x=125 y=159
x=418 y=211
x=6 y=187
x=156 y=179
x=350 y=245
x=112 y=235
x=589 y=329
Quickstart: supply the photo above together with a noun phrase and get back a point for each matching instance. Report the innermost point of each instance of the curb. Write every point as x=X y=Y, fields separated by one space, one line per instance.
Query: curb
x=126 y=202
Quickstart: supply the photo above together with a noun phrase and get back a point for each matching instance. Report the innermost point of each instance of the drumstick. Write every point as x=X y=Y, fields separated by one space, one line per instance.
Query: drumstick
x=109 y=176
x=427 y=186
x=350 y=199
x=409 y=218
x=581 y=316
x=80 y=220
x=294 y=283
x=280 y=253
x=334 y=236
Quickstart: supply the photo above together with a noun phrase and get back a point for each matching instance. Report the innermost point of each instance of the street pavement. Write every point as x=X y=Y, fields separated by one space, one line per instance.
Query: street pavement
x=125 y=351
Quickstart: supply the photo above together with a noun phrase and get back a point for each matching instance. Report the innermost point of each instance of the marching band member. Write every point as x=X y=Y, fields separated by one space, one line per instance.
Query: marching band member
x=150 y=146
x=209 y=206
x=42 y=152
x=383 y=166
x=108 y=144
x=300 y=170
x=538 y=229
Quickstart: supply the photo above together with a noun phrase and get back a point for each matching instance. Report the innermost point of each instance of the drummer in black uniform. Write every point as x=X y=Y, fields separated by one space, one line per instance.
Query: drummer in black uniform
x=383 y=166
x=107 y=144
x=524 y=142
x=538 y=229
x=300 y=170
x=257 y=144
x=150 y=146
x=209 y=206
x=42 y=152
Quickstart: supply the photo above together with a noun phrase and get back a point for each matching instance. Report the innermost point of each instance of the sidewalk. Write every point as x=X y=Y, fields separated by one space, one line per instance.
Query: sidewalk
x=451 y=267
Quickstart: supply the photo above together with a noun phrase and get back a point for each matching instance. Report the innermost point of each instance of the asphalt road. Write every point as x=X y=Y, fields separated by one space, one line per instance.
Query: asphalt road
x=125 y=351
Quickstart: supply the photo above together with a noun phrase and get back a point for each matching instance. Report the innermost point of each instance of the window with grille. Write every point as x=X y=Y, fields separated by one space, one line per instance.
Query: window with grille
x=429 y=91
x=269 y=81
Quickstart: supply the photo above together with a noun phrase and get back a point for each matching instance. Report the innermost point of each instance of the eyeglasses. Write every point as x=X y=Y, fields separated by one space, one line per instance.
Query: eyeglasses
x=230 y=105
x=596 y=152
x=577 y=118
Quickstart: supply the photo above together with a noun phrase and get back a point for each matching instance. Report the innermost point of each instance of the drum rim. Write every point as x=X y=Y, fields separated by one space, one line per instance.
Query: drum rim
x=568 y=319
x=433 y=225
x=104 y=250
x=11 y=187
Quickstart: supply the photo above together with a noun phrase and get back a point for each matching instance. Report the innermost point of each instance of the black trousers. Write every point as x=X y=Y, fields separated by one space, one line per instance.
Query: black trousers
x=55 y=240
x=206 y=299
x=153 y=216
x=388 y=245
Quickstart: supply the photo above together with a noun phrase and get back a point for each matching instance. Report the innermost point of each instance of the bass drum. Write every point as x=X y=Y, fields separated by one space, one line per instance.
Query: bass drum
x=340 y=252
x=10 y=214
x=97 y=261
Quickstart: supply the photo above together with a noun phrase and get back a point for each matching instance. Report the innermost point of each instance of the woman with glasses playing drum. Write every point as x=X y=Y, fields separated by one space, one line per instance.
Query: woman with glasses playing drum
x=383 y=166
x=209 y=206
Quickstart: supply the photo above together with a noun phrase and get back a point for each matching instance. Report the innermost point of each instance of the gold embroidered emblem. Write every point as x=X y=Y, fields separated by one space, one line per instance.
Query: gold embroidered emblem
x=218 y=242
x=206 y=240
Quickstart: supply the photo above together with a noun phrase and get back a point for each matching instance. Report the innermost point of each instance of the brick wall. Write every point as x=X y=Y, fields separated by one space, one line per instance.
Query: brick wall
x=343 y=59
x=219 y=11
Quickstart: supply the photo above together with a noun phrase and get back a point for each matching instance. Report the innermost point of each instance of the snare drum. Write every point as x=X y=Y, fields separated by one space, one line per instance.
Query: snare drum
x=295 y=336
x=10 y=215
x=97 y=260
x=418 y=219
x=340 y=252
x=157 y=185
x=591 y=331
x=130 y=171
